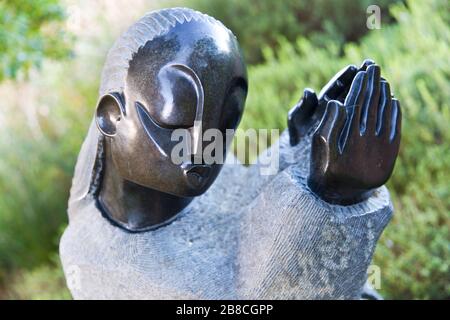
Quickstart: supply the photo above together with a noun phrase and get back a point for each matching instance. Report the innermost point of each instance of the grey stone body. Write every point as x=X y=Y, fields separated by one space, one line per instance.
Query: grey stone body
x=250 y=236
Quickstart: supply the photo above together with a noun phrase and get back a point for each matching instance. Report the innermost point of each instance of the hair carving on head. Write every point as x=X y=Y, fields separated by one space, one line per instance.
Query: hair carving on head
x=150 y=26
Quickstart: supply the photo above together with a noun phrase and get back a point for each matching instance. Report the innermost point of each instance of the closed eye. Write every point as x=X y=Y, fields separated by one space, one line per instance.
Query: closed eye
x=154 y=131
x=181 y=93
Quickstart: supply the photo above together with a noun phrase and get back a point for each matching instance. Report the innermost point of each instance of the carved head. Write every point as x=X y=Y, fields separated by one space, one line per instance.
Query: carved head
x=173 y=69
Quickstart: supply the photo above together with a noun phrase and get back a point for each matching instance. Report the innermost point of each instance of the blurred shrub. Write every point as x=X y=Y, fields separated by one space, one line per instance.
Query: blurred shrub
x=41 y=137
x=30 y=30
x=43 y=283
x=259 y=23
x=414 y=251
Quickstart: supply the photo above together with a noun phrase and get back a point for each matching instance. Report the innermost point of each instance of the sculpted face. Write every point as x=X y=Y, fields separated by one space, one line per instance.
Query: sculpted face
x=192 y=78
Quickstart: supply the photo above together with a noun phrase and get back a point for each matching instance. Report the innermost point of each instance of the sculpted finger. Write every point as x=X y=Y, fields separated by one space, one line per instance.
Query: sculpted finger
x=300 y=116
x=385 y=126
x=370 y=104
x=324 y=149
x=357 y=90
x=352 y=104
x=338 y=84
x=396 y=121
x=330 y=128
x=351 y=126
x=385 y=106
x=365 y=64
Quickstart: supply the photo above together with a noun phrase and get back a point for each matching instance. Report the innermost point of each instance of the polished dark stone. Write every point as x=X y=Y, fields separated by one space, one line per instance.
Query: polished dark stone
x=357 y=125
x=193 y=73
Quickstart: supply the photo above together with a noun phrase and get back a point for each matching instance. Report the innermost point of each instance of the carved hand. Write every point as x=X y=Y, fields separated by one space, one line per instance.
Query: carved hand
x=356 y=143
x=307 y=113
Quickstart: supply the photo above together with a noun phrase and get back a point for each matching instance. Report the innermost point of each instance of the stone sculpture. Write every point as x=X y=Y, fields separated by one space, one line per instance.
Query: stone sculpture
x=141 y=226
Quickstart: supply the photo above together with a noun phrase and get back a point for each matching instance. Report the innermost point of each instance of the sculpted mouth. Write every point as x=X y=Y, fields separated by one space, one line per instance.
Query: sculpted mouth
x=197 y=175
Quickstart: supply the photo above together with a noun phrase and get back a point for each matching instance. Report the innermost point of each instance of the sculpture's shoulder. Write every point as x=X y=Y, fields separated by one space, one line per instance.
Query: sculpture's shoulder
x=198 y=249
x=305 y=248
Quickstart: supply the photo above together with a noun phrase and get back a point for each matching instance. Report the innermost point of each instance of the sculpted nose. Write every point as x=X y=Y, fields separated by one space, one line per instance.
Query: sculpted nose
x=196 y=138
x=197 y=175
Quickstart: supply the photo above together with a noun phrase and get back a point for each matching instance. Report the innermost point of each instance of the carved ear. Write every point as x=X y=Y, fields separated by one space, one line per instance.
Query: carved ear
x=108 y=113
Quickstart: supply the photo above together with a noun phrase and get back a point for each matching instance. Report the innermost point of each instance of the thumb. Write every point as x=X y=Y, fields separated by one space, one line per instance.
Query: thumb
x=300 y=116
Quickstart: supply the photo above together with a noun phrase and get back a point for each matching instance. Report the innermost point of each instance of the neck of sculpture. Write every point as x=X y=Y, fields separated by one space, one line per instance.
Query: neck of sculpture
x=133 y=206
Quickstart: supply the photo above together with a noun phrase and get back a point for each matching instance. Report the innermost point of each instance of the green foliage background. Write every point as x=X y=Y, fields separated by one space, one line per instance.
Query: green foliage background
x=260 y=23
x=30 y=30
x=290 y=52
